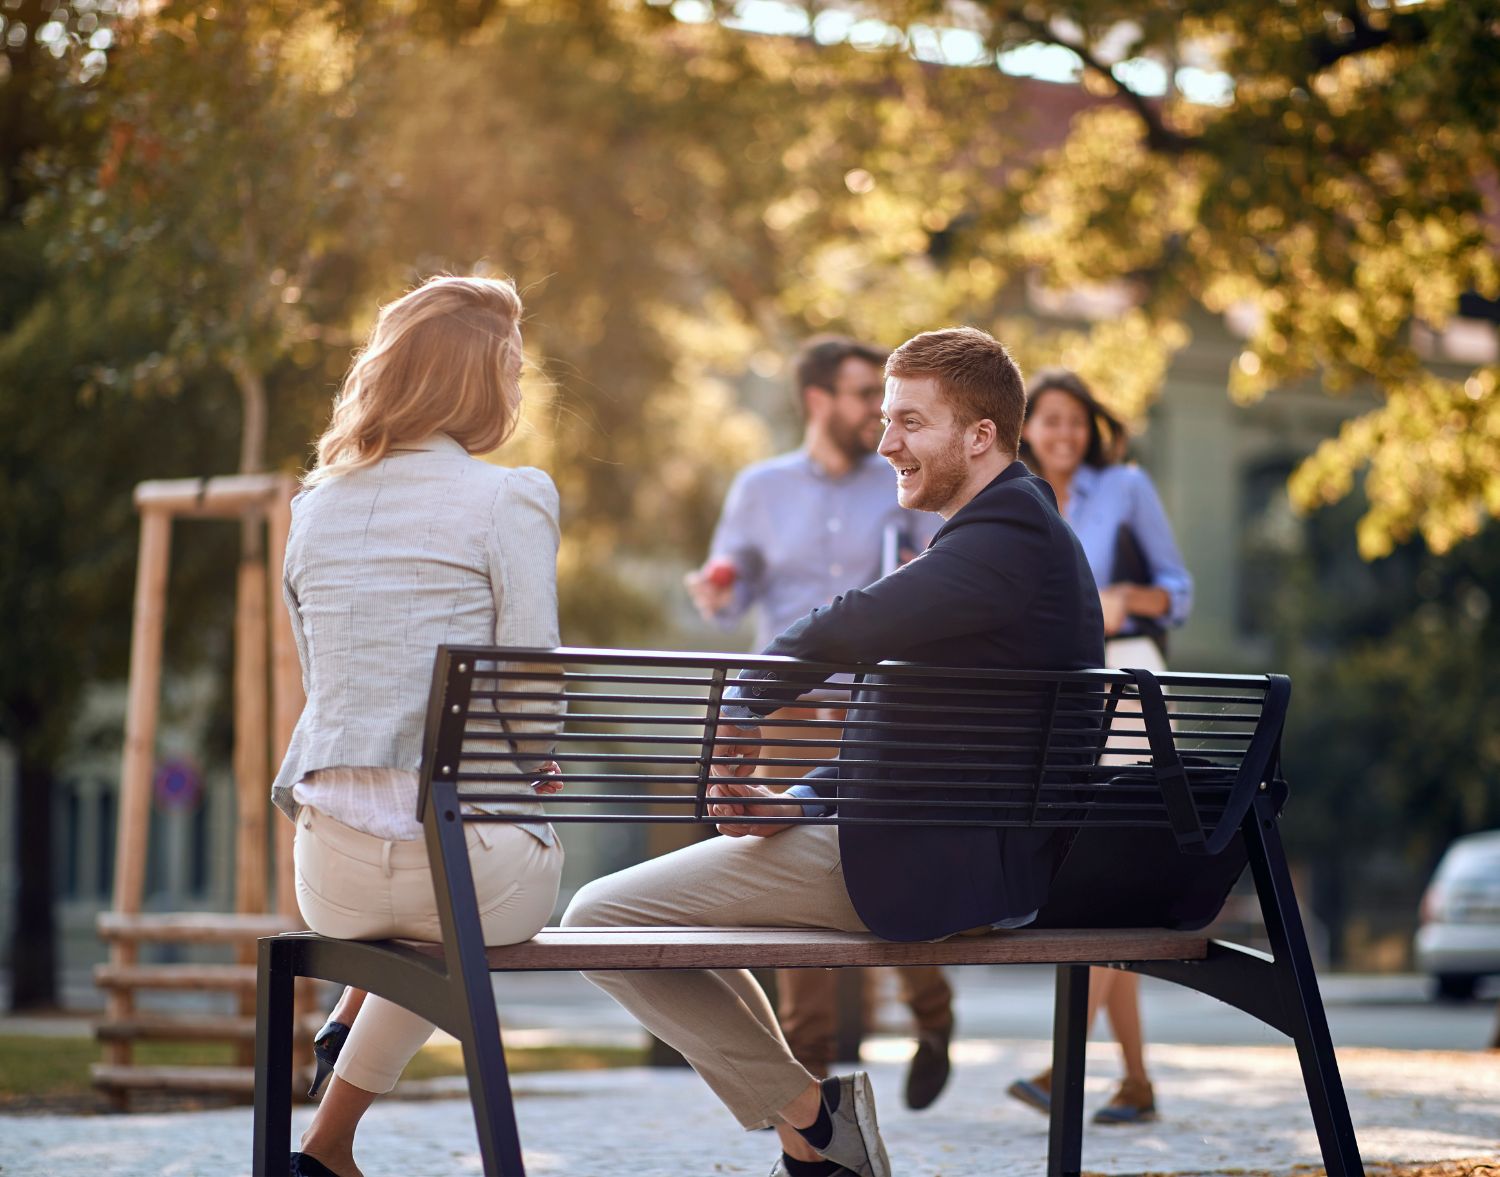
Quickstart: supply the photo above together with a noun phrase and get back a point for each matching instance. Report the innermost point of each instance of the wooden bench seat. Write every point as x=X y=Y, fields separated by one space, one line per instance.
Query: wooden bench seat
x=563 y=949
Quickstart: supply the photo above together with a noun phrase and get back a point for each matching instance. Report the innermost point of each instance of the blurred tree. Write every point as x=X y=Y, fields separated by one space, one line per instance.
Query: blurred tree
x=198 y=213
x=68 y=457
x=1401 y=753
x=1326 y=170
x=152 y=278
x=30 y=718
x=221 y=201
x=630 y=201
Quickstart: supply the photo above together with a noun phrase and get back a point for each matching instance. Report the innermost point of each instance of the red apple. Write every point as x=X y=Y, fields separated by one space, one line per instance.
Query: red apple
x=720 y=572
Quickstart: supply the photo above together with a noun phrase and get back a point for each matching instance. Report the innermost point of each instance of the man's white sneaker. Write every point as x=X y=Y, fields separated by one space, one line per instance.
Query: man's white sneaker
x=855 y=1142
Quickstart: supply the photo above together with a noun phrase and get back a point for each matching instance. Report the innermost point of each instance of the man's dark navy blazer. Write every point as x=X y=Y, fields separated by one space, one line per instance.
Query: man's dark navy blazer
x=1004 y=584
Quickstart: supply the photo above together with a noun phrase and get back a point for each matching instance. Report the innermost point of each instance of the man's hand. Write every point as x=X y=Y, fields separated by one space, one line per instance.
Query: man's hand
x=744 y=806
x=735 y=742
x=550 y=780
x=712 y=587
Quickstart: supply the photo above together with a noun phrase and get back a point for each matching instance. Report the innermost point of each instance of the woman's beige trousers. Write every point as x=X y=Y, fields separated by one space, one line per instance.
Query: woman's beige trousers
x=354 y=886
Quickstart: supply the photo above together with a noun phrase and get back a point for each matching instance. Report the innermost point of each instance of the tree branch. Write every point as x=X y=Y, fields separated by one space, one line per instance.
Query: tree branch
x=1401 y=28
x=1159 y=137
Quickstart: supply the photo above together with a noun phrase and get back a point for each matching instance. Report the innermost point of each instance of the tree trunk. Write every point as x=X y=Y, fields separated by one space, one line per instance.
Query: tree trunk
x=33 y=958
x=252 y=387
x=253 y=425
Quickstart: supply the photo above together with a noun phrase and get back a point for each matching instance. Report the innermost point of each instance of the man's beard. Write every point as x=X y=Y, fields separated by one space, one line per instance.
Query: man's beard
x=943 y=476
x=850 y=440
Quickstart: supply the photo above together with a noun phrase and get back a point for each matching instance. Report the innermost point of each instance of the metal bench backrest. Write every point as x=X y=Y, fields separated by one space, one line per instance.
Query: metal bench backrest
x=929 y=745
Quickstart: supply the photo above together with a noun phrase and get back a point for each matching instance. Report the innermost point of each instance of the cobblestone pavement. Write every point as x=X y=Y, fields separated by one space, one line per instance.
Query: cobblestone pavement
x=1224 y=1110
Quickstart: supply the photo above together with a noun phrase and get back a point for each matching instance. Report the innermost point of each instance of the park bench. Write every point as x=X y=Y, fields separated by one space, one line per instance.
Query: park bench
x=1170 y=785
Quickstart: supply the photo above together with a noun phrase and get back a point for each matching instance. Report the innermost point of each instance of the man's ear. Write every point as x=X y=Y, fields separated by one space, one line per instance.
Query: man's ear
x=983 y=438
x=815 y=401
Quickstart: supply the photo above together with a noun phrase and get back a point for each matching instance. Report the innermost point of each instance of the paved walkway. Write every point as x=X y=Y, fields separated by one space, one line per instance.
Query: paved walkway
x=1225 y=1110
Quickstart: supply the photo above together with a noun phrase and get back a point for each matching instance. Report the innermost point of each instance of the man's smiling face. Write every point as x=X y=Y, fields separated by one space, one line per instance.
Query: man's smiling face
x=925 y=445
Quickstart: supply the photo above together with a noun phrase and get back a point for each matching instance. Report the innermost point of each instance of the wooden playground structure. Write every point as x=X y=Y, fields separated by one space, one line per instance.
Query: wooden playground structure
x=267 y=702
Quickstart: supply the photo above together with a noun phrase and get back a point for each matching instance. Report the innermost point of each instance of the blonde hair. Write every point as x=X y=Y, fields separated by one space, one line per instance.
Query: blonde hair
x=441 y=358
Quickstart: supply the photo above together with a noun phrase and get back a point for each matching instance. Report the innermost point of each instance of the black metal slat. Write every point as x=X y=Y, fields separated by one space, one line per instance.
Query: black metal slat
x=675 y=757
x=728 y=763
x=1236 y=700
x=1146 y=804
x=690 y=782
x=668 y=680
x=1088 y=775
x=833 y=686
x=692 y=713
x=563 y=697
x=477 y=736
x=837 y=690
x=693 y=717
x=1044 y=822
x=699 y=701
x=585 y=656
x=689 y=711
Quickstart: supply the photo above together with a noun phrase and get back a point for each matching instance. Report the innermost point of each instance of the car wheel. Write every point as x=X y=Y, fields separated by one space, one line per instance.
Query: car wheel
x=1456 y=986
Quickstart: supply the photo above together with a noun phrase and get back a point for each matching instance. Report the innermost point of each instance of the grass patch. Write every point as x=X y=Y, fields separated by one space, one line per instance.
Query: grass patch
x=35 y=1068
x=46 y=1066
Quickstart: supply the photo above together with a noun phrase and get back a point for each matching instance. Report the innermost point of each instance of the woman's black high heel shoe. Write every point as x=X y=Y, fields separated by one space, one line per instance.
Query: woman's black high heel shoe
x=327 y=1043
x=306 y=1166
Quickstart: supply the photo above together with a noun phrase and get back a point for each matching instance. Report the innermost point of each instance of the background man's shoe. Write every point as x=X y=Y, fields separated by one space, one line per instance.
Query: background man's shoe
x=855 y=1142
x=1133 y=1103
x=1034 y=1092
x=929 y=1070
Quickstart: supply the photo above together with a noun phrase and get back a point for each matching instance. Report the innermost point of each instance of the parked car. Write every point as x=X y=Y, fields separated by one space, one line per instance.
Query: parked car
x=1459 y=938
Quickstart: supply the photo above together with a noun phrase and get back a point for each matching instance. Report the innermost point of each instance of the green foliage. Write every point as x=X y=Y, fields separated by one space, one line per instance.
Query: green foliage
x=70 y=453
x=628 y=205
x=1334 y=199
x=214 y=198
x=1396 y=744
x=67 y=526
x=674 y=198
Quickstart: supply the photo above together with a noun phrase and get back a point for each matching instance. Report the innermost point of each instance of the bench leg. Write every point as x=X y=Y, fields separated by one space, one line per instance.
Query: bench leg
x=1070 y=1035
x=494 y=1106
x=274 y=993
x=1298 y=985
x=469 y=981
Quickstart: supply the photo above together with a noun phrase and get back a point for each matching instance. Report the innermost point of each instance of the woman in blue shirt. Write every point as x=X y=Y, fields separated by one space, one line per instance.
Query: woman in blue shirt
x=1077 y=445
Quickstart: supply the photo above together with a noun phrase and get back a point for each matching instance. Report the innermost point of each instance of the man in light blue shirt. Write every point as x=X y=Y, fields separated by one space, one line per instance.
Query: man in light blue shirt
x=802 y=527
x=796 y=531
